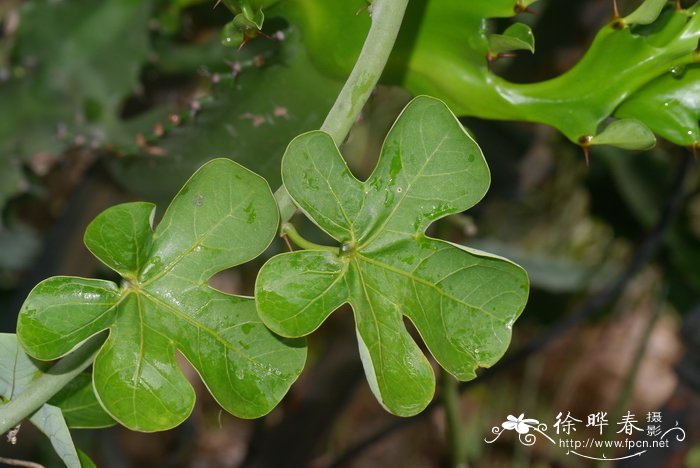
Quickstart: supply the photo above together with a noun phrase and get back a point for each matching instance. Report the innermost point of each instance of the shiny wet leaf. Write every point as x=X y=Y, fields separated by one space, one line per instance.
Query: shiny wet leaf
x=225 y=215
x=462 y=302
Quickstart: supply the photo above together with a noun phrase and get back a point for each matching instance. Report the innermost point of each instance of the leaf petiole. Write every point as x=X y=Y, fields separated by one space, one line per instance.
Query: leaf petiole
x=290 y=231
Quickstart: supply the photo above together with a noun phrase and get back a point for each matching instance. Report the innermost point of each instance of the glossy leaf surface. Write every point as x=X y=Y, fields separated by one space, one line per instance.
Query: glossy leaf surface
x=442 y=46
x=671 y=105
x=224 y=215
x=463 y=303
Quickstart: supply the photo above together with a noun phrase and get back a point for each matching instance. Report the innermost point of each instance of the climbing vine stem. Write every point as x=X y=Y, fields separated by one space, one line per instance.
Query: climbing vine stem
x=387 y=16
x=49 y=383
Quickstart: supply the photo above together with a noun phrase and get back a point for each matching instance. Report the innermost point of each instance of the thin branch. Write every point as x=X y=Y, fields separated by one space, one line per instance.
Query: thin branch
x=453 y=420
x=15 y=462
x=643 y=254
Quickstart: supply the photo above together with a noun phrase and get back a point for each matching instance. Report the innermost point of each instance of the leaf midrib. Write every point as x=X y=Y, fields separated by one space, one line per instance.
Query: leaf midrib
x=427 y=283
x=375 y=233
x=158 y=301
x=197 y=243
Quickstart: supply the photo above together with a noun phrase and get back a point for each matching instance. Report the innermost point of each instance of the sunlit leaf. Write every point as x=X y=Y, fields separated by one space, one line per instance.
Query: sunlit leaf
x=442 y=46
x=462 y=302
x=225 y=215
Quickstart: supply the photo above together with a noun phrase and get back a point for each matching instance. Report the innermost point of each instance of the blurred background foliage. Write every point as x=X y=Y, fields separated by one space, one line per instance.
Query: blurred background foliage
x=117 y=100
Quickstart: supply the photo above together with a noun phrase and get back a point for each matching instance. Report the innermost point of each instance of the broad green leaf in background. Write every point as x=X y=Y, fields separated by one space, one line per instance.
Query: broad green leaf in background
x=553 y=273
x=250 y=118
x=17 y=371
x=462 y=302
x=224 y=215
x=73 y=67
x=442 y=45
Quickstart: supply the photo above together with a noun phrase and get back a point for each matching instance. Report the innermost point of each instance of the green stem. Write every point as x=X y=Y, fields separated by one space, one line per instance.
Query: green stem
x=48 y=384
x=387 y=16
x=450 y=399
x=289 y=231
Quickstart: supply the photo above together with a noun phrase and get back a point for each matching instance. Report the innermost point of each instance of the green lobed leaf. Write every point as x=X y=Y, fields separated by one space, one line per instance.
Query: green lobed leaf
x=628 y=134
x=127 y=225
x=462 y=302
x=224 y=215
x=517 y=36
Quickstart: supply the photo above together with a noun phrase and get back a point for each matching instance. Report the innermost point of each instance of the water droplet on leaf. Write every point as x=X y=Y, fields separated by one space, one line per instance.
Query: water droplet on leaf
x=677 y=71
